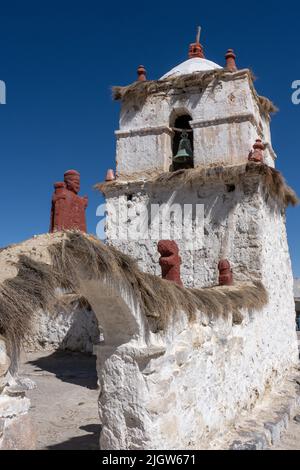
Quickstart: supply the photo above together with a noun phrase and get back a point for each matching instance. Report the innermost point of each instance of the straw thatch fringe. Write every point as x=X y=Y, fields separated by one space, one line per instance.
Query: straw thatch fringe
x=266 y=106
x=141 y=90
x=78 y=256
x=273 y=182
x=20 y=297
x=199 y=80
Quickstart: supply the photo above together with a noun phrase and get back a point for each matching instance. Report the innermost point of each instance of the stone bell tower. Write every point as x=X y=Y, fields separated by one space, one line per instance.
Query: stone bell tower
x=218 y=106
x=199 y=137
x=194 y=155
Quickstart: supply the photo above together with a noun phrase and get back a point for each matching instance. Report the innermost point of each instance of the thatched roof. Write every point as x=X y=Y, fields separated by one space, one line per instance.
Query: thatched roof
x=73 y=254
x=272 y=180
x=198 y=80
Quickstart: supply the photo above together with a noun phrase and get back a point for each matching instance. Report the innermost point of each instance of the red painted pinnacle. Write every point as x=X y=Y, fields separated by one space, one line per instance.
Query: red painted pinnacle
x=195 y=49
x=141 y=71
x=230 y=60
x=110 y=175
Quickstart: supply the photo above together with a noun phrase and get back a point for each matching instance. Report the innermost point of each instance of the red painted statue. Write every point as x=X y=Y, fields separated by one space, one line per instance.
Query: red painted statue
x=68 y=209
x=225 y=273
x=170 y=261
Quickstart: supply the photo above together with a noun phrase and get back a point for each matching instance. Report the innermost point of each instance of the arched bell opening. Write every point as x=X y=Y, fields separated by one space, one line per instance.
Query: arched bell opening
x=182 y=143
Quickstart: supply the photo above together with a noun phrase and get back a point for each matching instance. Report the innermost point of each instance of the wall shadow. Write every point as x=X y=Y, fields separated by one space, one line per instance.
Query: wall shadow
x=89 y=441
x=71 y=367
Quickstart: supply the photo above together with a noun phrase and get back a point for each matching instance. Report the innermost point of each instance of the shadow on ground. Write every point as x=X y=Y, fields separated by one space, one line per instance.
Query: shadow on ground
x=75 y=368
x=89 y=441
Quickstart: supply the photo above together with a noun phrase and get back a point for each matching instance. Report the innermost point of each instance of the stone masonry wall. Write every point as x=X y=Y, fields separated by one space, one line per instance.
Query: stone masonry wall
x=73 y=329
x=177 y=389
x=233 y=217
x=16 y=431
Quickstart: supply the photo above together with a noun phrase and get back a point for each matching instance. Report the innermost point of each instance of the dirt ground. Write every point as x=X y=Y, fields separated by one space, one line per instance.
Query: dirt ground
x=64 y=403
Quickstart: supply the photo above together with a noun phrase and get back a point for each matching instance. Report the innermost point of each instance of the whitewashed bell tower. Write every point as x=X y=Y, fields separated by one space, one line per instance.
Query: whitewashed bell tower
x=186 y=139
x=225 y=114
x=199 y=137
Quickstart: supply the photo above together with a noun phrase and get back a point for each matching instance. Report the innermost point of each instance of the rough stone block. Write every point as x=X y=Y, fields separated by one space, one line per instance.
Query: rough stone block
x=18 y=434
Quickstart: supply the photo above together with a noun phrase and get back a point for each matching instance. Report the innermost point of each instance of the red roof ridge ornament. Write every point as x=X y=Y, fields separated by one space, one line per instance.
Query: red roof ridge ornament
x=195 y=49
x=230 y=60
x=141 y=71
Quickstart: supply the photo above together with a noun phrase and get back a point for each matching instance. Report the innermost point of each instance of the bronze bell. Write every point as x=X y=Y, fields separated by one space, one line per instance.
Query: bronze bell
x=185 y=152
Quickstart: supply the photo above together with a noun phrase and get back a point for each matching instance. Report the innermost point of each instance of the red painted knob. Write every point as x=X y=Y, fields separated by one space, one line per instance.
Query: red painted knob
x=141 y=71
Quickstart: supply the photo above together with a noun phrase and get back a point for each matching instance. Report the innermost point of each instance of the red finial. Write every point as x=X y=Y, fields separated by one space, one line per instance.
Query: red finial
x=141 y=71
x=225 y=273
x=110 y=175
x=230 y=60
x=195 y=49
x=256 y=155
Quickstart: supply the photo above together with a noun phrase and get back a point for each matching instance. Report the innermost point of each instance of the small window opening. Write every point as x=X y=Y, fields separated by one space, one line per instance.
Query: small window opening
x=230 y=188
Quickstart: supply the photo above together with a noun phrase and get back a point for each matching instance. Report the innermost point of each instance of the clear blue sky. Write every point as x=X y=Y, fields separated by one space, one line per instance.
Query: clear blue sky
x=59 y=60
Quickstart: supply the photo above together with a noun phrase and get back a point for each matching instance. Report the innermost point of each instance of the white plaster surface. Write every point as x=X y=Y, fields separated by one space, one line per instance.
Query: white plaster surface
x=232 y=228
x=195 y=64
x=177 y=389
x=73 y=329
x=14 y=408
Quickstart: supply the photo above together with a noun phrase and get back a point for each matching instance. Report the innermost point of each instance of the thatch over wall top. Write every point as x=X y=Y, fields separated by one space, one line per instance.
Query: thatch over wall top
x=198 y=80
x=273 y=182
x=74 y=254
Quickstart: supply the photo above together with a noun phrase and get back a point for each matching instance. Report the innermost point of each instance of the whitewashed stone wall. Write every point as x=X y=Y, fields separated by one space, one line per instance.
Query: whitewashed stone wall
x=225 y=118
x=234 y=217
x=72 y=329
x=16 y=431
x=176 y=389
x=155 y=146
